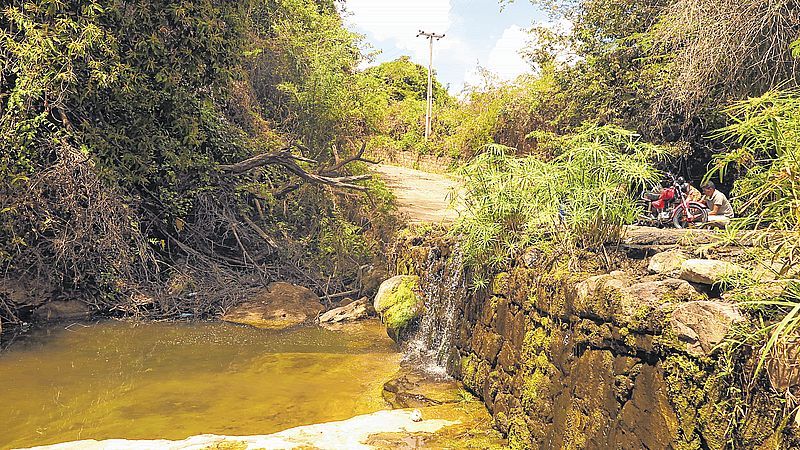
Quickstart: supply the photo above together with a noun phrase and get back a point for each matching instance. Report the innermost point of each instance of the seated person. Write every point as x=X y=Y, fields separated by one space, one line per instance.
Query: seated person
x=721 y=210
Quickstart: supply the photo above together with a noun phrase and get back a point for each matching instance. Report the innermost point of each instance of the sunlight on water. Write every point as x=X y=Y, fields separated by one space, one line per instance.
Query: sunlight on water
x=167 y=380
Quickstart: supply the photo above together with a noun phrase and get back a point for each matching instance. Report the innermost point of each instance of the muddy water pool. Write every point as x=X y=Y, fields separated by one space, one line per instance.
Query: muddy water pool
x=172 y=380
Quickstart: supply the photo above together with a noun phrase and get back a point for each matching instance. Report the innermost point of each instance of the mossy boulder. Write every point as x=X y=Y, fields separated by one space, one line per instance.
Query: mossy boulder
x=399 y=305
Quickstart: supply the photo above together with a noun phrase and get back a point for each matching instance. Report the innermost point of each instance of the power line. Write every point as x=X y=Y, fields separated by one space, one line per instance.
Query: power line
x=430 y=37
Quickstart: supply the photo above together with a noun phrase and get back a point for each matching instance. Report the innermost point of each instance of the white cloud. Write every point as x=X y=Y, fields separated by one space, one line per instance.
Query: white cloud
x=504 y=62
x=398 y=21
x=505 y=59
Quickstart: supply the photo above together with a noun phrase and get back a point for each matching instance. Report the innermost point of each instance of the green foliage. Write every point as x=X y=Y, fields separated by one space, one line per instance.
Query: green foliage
x=581 y=197
x=765 y=134
x=116 y=118
x=311 y=60
x=400 y=89
x=402 y=79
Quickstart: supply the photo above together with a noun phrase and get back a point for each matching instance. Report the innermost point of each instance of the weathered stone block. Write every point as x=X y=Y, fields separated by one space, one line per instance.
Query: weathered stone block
x=666 y=262
x=708 y=271
x=703 y=324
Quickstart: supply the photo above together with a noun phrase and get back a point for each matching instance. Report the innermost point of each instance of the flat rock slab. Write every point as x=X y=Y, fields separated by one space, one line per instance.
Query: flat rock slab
x=707 y=271
x=637 y=235
x=356 y=310
x=280 y=305
x=345 y=434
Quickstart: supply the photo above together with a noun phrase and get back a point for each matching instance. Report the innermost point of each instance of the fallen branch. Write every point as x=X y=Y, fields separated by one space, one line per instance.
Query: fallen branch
x=339 y=163
x=287 y=160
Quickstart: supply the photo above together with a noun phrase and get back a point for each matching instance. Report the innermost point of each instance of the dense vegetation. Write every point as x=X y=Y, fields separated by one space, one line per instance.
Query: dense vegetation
x=581 y=197
x=124 y=127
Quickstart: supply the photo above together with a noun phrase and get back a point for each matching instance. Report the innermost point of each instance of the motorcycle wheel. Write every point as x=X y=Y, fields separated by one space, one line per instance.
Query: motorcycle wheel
x=681 y=218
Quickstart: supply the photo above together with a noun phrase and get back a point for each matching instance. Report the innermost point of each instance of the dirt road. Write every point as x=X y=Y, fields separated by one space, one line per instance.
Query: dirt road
x=421 y=196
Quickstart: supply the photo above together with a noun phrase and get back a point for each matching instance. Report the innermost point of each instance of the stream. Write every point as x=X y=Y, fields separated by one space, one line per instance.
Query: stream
x=126 y=380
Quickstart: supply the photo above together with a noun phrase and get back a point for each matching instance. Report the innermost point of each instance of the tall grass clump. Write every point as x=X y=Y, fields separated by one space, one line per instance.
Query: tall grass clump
x=580 y=198
x=765 y=135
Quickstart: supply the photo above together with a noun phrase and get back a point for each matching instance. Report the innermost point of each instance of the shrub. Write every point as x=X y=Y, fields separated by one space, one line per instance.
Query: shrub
x=581 y=197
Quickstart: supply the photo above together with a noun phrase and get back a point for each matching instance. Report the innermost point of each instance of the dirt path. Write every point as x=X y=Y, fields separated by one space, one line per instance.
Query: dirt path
x=421 y=196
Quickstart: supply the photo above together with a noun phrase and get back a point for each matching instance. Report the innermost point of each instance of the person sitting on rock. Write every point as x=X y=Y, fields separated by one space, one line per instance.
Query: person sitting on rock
x=721 y=210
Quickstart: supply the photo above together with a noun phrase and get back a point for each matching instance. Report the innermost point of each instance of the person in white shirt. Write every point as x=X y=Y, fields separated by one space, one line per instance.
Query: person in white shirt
x=721 y=211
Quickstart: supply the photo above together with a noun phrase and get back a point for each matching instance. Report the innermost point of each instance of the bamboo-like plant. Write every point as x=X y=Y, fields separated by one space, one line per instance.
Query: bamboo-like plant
x=582 y=197
x=766 y=132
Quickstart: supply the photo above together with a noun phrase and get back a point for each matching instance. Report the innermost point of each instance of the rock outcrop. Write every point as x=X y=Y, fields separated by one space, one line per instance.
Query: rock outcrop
x=399 y=305
x=703 y=324
x=566 y=357
x=280 y=305
x=355 y=310
x=708 y=271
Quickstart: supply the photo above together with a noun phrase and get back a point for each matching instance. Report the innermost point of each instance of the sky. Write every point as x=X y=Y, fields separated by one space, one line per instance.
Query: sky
x=477 y=33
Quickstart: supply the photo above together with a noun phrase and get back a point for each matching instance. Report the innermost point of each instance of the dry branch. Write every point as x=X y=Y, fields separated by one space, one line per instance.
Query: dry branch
x=288 y=161
x=339 y=163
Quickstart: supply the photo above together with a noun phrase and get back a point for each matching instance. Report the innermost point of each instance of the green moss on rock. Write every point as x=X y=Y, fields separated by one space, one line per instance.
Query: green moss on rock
x=519 y=437
x=398 y=304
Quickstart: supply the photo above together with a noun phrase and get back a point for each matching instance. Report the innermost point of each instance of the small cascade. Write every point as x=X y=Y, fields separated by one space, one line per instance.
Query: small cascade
x=443 y=282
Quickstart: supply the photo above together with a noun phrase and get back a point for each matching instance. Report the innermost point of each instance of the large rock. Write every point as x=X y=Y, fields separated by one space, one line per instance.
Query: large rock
x=359 y=309
x=707 y=271
x=617 y=297
x=703 y=324
x=783 y=365
x=62 y=310
x=398 y=304
x=657 y=293
x=280 y=305
x=666 y=262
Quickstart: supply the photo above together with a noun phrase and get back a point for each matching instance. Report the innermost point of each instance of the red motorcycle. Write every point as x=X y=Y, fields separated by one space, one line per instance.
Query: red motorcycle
x=670 y=206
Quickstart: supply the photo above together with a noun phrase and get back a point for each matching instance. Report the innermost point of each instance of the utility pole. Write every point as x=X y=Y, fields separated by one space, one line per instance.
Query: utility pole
x=429 y=111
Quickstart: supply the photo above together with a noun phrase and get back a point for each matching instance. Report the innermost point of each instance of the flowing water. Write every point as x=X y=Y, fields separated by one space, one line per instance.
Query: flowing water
x=444 y=287
x=172 y=380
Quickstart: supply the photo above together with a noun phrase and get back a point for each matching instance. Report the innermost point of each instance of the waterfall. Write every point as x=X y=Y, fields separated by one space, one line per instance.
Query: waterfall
x=443 y=284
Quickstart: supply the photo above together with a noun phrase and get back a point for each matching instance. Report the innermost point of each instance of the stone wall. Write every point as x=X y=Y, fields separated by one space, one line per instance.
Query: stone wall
x=412 y=160
x=570 y=357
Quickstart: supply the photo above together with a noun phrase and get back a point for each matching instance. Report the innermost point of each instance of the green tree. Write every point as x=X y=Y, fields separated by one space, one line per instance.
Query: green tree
x=146 y=140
